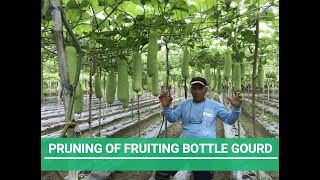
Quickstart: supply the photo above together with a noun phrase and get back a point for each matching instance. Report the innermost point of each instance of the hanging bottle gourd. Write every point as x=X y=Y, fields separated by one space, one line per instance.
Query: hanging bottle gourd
x=237 y=77
x=123 y=84
x=145 y=80
x=227 y=64
x=137 y=72
x=125 y=104
x=42 y=94
x=78 y=101
x=155 y=84
x=131 y=94
x=97 y=86
x=219 y=84
x=152 y=52
x=214 y=81
x=71 y=58
x=149 y=84
x=261 y=77
x=207 y=74
x=243 y=72
x=185 y=64
x=111 y=87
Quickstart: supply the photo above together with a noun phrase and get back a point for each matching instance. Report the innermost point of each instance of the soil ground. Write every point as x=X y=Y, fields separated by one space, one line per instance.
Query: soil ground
x=175 y=131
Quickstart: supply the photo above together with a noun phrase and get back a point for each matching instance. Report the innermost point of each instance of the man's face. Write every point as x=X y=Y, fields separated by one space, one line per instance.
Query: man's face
x=198 y=92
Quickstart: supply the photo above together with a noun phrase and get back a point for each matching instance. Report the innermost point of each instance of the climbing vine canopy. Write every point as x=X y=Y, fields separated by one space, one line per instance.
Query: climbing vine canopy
x=109 y=28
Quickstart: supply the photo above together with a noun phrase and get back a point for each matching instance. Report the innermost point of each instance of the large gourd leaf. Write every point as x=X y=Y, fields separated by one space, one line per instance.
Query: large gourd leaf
x=131 y=8
x=203 y=5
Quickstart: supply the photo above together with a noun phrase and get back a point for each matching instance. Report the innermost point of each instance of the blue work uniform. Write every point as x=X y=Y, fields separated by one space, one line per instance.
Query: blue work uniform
x=199 y=119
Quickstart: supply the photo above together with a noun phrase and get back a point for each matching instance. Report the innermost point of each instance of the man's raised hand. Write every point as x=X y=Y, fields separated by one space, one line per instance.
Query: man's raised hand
x=164 y=99
x=236 y=101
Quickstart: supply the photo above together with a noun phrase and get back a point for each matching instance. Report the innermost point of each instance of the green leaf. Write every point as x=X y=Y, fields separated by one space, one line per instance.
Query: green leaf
x=85 y=15
x=109 y=33
x=202 y=46
x=181 y=9
x=143 y=41
x=227 y=30
x=77 y=31
x=248 y=36
x=140 y=17
x=269 y=18
x=72 y=15
x=105 y=24
x=121 y=18
x=189 y=28
x=111 y=2
x=227 y=19
x=94 y=3
x=251 y=21
x=154 y=3
x=124 y=32
x=143 y=2
x=268 y=15
x=123 y=43
x=130 y=39
x=197 y=20
x=102 y=2
x=199 y=5
x=251 y=1
x=107 y=43
x=262 y=1
x=97 y=9
x=94 y=35
x=222 y=43
x=192 y=9
x=72 y=4
x=179 y=15
x=131 y=8
x=209 y=3
x=84 y=3
x=180 y=4
x=203 y=5
x=85 y=27
x=137 y=2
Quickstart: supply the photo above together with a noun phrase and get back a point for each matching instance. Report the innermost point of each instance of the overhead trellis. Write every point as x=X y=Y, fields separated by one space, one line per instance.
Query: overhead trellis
x=206 y=27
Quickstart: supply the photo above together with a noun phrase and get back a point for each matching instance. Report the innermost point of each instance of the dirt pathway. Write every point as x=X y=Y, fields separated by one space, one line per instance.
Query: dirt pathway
x=174 y=131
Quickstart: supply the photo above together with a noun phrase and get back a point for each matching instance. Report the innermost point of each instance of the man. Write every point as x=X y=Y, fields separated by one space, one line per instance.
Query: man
x=198 y=115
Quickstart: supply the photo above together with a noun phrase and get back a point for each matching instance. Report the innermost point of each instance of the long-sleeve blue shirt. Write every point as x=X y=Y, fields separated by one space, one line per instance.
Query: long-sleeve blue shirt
x=199 y=119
